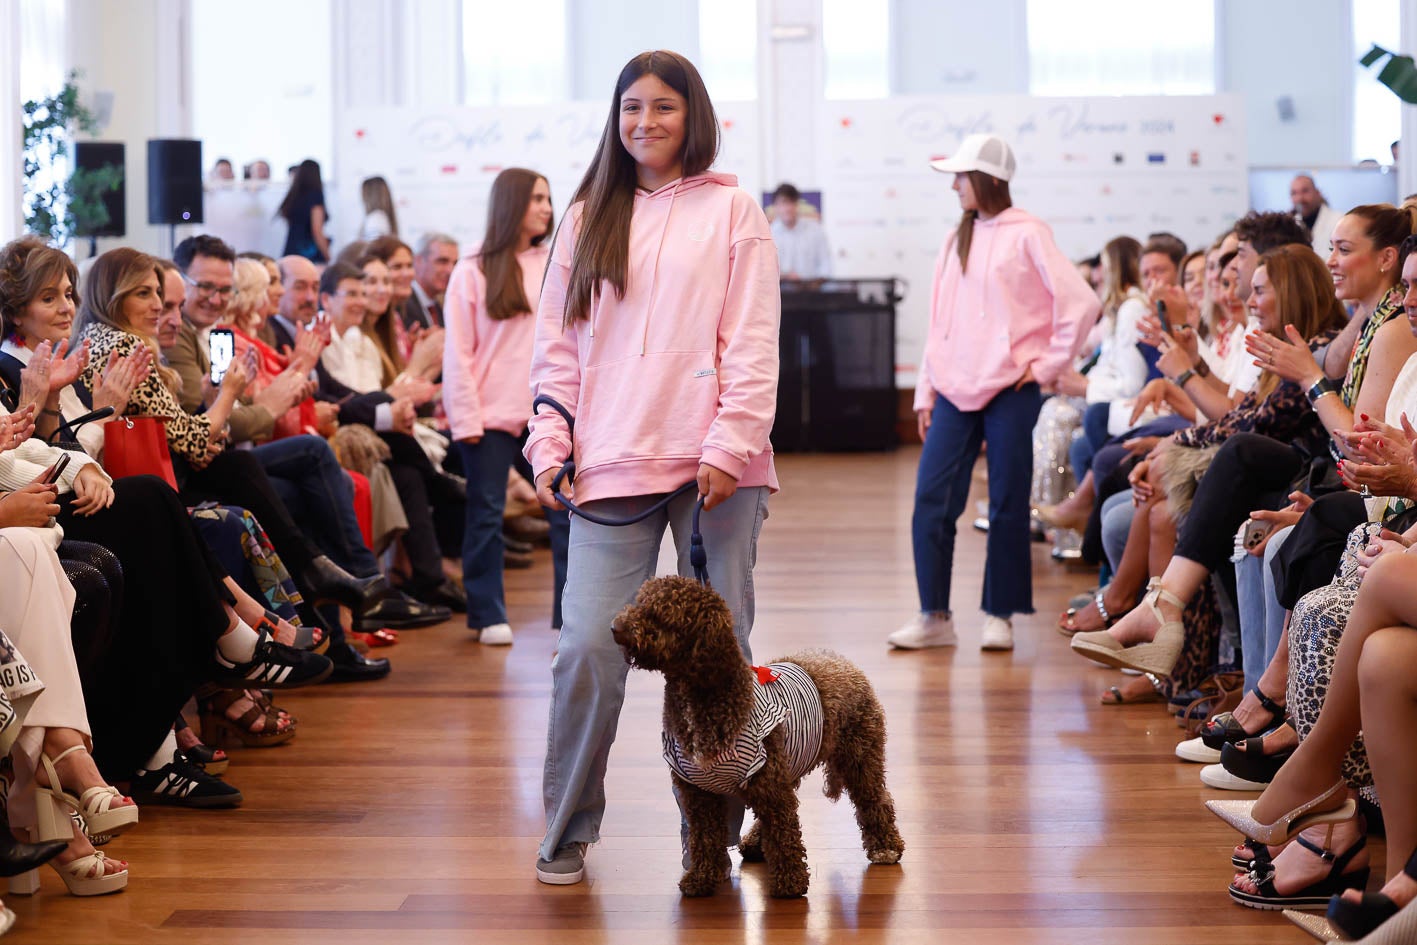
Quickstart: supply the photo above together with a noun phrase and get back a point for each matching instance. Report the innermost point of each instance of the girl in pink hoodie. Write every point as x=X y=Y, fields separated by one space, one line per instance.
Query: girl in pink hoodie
x=1008 y=312
x=657 y=330
x=490 y=329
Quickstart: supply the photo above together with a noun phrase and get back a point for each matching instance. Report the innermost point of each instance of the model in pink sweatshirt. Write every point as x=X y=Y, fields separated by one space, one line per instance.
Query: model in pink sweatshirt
x=490 y=325
x=671 y=379
x=683 y=369
x=1008 y=312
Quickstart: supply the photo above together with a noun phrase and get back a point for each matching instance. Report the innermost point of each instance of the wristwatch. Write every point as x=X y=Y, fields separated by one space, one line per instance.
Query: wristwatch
x=1202 y=368
x=1183 y=377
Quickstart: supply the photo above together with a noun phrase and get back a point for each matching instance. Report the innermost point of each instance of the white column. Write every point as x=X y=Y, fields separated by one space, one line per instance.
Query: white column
x=1407 y=161
x=11 y=138
x=791 y=90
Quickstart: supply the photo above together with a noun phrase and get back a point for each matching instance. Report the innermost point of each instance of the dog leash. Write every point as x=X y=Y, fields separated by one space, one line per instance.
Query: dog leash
x=698 y=555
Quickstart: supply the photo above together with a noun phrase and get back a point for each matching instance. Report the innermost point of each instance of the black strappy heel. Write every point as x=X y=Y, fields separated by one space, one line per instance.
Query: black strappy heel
x=1223 y=729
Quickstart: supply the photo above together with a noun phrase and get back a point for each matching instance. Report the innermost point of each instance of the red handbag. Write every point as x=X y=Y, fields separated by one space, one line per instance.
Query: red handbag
x=137 y=446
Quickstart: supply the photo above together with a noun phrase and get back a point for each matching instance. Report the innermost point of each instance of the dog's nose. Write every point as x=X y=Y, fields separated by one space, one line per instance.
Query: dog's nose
x=618 y=634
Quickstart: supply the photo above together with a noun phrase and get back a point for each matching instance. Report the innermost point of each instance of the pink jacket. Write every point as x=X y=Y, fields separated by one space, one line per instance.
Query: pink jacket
x=1022 y=304
x=486 y=362
x=683 y=369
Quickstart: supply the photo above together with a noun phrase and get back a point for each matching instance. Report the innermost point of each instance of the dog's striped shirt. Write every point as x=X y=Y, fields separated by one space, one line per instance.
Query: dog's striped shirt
x=785 y=695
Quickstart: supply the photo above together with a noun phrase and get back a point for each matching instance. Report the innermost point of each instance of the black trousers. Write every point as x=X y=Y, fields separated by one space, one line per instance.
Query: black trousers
x=1249 y=472
x=167 y=623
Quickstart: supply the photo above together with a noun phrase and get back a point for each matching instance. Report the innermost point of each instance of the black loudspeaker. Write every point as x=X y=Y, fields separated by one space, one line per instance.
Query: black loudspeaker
x=95 y=156
x=174 y=180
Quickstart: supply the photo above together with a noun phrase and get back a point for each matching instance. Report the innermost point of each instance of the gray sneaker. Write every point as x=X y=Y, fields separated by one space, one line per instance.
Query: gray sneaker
x=566 y=868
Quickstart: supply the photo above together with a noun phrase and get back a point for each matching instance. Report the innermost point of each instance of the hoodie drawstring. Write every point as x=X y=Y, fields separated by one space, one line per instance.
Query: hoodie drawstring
x=654 y=273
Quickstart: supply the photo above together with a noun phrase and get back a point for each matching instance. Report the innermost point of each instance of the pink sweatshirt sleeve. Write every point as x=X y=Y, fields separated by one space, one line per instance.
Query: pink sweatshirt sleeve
x=1075 y=306
x=924 y=387
x=747 y=340
x=460 y=398
x=555 y=361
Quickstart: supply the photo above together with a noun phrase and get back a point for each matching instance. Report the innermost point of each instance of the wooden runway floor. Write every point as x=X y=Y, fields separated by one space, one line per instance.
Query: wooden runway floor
x=408 y=811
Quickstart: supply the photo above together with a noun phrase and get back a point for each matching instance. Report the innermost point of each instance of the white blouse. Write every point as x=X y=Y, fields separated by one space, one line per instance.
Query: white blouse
x=353 y=359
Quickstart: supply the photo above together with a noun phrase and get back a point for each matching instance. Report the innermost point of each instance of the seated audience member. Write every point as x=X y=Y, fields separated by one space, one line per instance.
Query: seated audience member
x=273 y=293
x=432 y=266
x=802 y=249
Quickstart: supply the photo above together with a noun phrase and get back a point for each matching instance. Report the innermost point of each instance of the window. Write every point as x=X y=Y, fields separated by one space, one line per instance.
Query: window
x=514 y=53
x=856 y=41
x=728 y=49
x=1119 y=47
x=1377 y=111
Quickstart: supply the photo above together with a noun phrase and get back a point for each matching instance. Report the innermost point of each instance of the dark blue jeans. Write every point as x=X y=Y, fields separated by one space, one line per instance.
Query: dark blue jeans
x=486 y=465
x=942 y=490
x=1094 y=430
x=320 y=497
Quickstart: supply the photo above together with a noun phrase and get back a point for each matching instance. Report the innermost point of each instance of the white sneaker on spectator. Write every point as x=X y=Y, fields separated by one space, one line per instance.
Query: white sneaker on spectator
x=998 y=634
x=923 y=631
x=1195 y=749
x=499 y=634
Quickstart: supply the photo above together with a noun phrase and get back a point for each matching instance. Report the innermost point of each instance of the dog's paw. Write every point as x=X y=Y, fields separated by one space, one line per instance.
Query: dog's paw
x=790 y=888
x=884 y=857
x=695 y=885
x=751 y=852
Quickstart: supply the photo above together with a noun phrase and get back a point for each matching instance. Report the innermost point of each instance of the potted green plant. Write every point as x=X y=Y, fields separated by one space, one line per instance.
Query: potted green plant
x=54 y=206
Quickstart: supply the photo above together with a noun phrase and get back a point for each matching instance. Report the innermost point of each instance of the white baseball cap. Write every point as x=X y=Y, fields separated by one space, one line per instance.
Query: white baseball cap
x=988 y=153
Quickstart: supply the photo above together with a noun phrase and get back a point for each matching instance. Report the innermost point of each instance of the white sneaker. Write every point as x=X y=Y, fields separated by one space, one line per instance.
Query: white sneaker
x=924 y=630
x=1217 y=776
x=1194 y=749
x=499 y=634
x=998 y=634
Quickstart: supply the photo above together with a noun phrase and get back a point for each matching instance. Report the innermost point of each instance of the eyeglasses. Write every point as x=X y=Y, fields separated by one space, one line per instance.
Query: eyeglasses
x=208 y=289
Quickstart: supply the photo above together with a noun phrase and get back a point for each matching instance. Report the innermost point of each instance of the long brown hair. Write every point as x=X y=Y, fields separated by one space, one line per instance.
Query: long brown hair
x=1303 y=295
x=113 y=277
x=1123 y=256
x=374 y=191
x=608 y=188
x=380 y=327
x=992 y=196
x=27 y=268
x=511 y=197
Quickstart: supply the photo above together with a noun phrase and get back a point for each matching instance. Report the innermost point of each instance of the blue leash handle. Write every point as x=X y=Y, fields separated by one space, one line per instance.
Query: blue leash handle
x=698 y=555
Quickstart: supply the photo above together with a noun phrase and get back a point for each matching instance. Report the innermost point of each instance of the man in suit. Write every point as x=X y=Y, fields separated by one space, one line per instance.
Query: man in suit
x=432 y=268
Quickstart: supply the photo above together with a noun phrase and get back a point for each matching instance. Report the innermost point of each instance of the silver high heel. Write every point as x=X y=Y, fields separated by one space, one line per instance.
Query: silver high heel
x=1238 y=815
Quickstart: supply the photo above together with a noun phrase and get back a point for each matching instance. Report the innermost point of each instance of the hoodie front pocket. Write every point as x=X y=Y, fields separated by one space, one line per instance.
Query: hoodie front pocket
x=656 y=405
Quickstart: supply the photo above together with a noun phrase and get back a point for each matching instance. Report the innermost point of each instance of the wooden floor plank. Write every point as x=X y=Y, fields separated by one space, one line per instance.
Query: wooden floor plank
x=410 y=810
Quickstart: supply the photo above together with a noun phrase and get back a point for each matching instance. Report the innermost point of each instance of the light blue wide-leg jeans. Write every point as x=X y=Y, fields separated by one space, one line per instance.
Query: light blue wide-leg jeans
x=606 y=567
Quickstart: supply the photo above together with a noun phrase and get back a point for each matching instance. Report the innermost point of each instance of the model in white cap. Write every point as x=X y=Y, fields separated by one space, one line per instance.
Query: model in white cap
x=1008 y=312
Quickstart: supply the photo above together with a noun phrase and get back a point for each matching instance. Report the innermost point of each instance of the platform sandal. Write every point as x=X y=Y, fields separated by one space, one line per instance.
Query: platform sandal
x=1223 y=729
x=1159 y=656
x=1314 y=896
x=100 y=818
x=86 y=876
x=217 y=727
x=1362 y=918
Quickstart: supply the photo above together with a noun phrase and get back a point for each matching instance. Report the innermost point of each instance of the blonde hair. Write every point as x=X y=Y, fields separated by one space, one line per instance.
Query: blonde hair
x=116 y=275
x=252 y=281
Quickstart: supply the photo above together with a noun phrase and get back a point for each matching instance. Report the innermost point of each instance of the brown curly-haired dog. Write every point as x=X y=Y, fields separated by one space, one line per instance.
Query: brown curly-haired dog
x=684 y=630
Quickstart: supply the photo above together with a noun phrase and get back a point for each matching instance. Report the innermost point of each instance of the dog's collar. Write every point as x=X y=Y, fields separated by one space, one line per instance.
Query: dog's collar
x=766 y=674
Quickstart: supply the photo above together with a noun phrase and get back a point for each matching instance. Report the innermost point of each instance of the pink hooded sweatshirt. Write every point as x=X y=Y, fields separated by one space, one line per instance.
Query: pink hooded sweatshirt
x=683 y=369
x=486 y=361
x=1022 y=304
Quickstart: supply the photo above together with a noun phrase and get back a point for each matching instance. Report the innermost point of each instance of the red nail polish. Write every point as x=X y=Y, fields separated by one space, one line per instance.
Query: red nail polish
x=1363 y=415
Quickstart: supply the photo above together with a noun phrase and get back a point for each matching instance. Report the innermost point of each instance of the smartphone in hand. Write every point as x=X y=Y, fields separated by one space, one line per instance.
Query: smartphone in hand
x=221 y=347
x=1161 y=316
